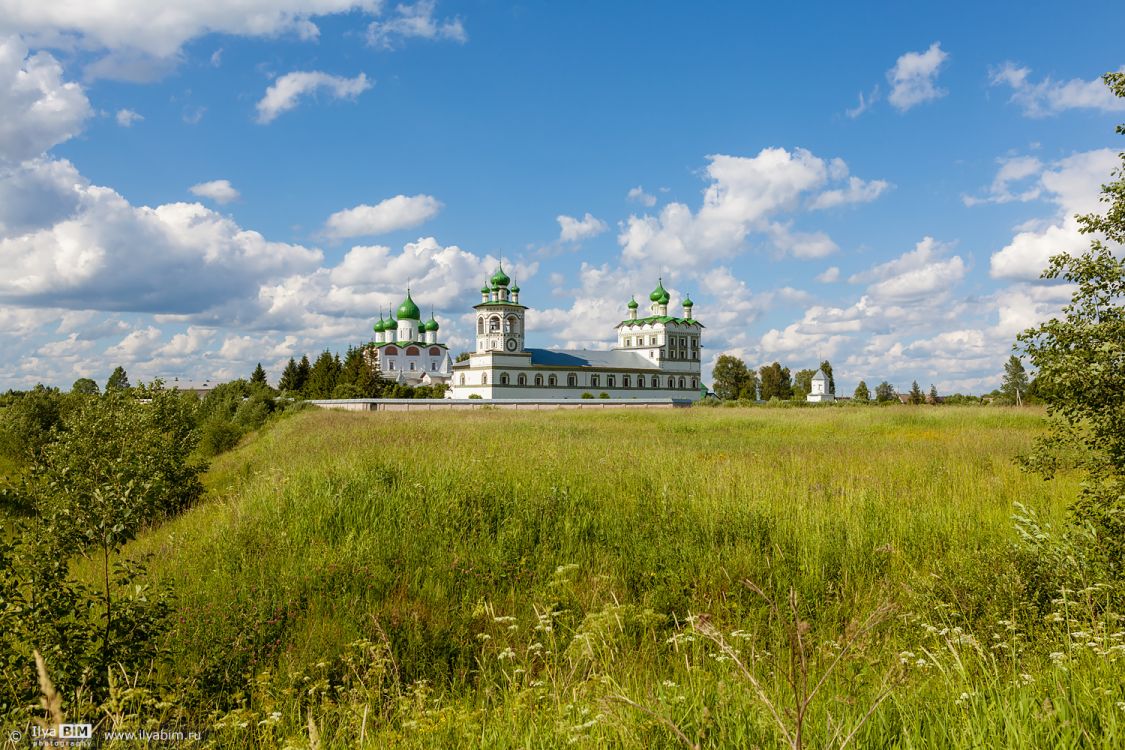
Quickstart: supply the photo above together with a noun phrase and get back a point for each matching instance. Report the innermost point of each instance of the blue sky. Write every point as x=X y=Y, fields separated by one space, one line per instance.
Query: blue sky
x=187 y=190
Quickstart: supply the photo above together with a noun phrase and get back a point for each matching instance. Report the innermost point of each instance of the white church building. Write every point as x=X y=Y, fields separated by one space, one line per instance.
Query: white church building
x=820 y=393
x=657 y=356
x=407 y=351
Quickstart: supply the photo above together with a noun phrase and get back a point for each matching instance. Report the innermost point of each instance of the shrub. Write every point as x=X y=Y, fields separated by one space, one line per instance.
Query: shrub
x=587 y=395
x=603 y=394
x=218 y=435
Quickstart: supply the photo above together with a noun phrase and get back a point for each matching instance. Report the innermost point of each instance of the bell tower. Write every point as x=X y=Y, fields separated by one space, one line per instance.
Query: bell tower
x=500 y=316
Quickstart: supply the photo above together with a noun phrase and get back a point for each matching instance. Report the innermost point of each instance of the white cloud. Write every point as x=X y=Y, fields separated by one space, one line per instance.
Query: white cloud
x=100 y=252
x=126 y=117
x=142 y=29
x=743 y=196
x=1050 y=97
x=921 y=273
x=392 y=214
x=856 y=191
x=829 y=275
x=574 y=230
x=414 y=22
x=220 y=191
x=1013 y=170
x=39 y=109
x=914 y=76
x=865 y=103
x=638 y=195
x=1073 y=185
x=284 y=93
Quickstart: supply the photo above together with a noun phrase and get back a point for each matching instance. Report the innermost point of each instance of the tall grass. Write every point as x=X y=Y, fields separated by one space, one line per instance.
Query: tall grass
x=517 y=579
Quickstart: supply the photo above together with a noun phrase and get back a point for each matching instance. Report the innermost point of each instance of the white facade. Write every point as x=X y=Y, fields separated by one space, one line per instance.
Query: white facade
x=820 y=392
x=657 y=356
x=407 y=350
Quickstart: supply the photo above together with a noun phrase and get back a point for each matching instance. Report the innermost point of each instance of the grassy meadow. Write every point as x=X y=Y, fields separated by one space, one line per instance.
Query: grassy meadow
x=635 y=579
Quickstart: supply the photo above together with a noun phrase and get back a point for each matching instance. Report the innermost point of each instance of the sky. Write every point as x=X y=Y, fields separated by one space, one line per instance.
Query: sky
x=187 y=188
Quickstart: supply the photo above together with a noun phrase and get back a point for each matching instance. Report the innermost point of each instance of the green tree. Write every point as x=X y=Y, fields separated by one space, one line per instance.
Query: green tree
x=775 y=382
x=288 y=381
x=358 y=376
x=1080 y=363
x=731 y=377
x=462 y=356
x=802 y=384
x=916 y=395
x=861 y=392
x=884 y=392
x=827 y=367
x=118 y=380
x=323 y=376
x=933 y=397
x=304 y=369
x=258 y=377
x=85 y=387
x=1015 y=382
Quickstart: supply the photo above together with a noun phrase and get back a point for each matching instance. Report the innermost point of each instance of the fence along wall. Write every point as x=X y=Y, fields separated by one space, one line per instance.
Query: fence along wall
x=432 y=404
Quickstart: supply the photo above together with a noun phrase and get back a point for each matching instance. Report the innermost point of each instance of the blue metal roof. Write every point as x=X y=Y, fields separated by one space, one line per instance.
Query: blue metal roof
x=591 y=358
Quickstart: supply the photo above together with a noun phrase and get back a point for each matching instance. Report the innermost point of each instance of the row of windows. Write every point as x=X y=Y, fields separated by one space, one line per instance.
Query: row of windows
x=413 y=351
x=682 y=341
x=511 y=324
x=433 y=366
x=595 y=381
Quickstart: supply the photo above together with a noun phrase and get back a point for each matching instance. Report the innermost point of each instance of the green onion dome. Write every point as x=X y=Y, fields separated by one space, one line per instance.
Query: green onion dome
x=632 y=303
x=485 y=289
x=500 y=278
x=431 y=324
x=408 y=310
x=659 y=294
x=380 y=325
x=688 y=302
x=391 y=326
x=515 y=288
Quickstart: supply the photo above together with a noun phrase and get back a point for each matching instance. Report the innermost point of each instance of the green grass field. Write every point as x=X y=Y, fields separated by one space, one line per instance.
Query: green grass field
x=518 y=579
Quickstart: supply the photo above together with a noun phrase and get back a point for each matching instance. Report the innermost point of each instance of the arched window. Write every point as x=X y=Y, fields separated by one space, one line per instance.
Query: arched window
x=480 y=324
x=655 y=382
x=390 y=350
x=611 y=381
x=694 y=384
x=572 y=380
x=538 y=380
x=521 y=379
x=412 y=351
x=462 y=378
x=625 y=382
x=484 y=379
x=682 y=383
x=494 y=324
x=512 y=325
x=435 y=351
x=503 y=378
x=552 y=381
x=595 y=381
x=411 y=366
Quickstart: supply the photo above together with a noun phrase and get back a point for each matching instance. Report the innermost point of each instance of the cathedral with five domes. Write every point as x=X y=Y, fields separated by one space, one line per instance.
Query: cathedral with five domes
x=407 y=350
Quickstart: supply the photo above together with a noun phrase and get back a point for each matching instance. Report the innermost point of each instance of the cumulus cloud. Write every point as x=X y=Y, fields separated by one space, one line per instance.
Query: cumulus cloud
x=913 y=79
x=285 y=93
x=638 y=195
x=856 y=191
x=1049 y=97
x=574 y=230
x=392 y=214
x=920 y=273
x=1014 y=171
x=220 y=191
x=107 y=254
x=415 y=21
x=40 y=109
x=829 y=275
x=1073 y=185
x=745 y=196
x=138 y=32
x=126 y=117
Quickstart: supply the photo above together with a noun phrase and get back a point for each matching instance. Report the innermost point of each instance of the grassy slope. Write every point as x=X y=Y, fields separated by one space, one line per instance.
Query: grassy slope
x=333 y=527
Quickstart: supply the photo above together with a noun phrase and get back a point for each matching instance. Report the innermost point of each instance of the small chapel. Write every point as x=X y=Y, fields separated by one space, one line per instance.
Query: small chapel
x=407 y=351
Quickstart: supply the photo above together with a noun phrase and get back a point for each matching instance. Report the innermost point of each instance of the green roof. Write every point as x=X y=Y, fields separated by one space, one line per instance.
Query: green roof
x=500 y=278
x=660 y=294
x=659 y=319
x=632 y=303
x=408 y=310
x=430 y=325
x=380 y=325
x=688 y=302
